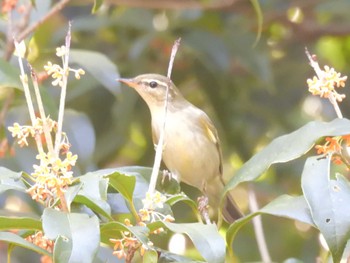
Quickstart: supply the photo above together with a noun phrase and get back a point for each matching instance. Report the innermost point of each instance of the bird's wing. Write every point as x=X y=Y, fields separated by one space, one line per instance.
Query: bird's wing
x=212 y=134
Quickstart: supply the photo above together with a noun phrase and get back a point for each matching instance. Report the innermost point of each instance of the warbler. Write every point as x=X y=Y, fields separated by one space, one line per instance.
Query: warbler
x=191 y=149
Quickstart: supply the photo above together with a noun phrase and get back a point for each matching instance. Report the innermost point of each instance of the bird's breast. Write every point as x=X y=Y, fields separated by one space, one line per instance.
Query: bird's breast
x=188 y=152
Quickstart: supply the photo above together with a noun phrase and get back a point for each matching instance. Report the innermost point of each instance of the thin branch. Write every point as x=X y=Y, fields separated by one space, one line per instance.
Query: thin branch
x=175 y=4
x=42 y=113
x=159 y=148
x=31 y=28
x=258 y=227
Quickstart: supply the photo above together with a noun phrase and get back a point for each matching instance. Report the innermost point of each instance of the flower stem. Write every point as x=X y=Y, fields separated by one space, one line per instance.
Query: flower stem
x=63 y=93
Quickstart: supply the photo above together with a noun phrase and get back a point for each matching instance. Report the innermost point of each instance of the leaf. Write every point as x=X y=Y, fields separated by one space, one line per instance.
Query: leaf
x=150 y=256
x=81 y=230
x=124 y=184
x=10 y=180
x=166 y=256
x=292 y=207
x=285 y=148
x=62 y=250
x=9 y=75
x=81 y=135
x=205 y=238
x=10 y=222
x=99 y=66
x=97 y=5
x=93 y=193
x=329 y=203
x=113 y=230
x=19 y=241
x=259 y=16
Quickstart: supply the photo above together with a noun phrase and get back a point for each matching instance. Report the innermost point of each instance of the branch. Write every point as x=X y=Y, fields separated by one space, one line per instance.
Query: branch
x=31 y=28
x=159 y=149
x=174 y=4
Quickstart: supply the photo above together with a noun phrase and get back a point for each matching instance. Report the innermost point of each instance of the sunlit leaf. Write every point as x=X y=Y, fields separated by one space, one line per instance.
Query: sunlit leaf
x=81 y=230
x=9 y=222
x=292 y=207
x=93 y=193
x=113 y=230
x=19 y=241
x=97 y=5
x=286 y=148
x=205 y=238
x=10 y=180
x=329 y=200
x=62 y=250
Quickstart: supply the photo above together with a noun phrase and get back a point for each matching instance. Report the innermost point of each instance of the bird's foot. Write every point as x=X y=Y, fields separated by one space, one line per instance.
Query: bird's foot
x=203 y=208
x=169 y=176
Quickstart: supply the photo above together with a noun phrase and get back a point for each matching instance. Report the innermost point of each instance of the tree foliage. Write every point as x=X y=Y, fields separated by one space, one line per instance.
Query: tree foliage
x=244 y=63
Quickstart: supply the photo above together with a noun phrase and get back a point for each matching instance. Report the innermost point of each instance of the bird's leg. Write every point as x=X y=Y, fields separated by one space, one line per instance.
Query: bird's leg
x=168 y=175
x=203 y=204
x=203 y=208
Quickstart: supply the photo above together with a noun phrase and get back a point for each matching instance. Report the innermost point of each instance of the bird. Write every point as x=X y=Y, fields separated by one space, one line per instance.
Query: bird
x=191 y=149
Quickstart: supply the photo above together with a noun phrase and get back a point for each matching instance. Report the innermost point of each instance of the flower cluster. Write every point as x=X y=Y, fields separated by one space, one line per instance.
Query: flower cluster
x=151 y=203
x=128 y=244
x=52 y=177
x=57 y=72
x=8 y=5
x=325 y=84
x=148 y=214
x=40 y=240
x=333 y=146
x=54 y=174
x=22 y=132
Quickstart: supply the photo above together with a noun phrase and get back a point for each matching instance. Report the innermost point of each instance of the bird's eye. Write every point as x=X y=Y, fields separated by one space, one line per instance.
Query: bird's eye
x=153 y=84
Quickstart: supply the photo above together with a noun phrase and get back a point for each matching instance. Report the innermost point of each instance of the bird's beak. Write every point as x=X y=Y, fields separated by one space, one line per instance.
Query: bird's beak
x=130 y=82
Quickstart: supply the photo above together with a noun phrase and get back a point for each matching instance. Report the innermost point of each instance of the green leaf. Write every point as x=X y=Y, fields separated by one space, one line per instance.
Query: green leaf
x=124 y=184
x=9 y=75
x=93 y=193
x=9 y=222
x=292 y=207
x=286 y=148
x=329 y=201
x=150 y=256
x=62 y=250
x=166 y=256
x=97 y=5
x=81 y=230
x=113 y=230
x=99 y=66
x=183 y=198
x=10 y=180
x=19 y=241
x=205 y=238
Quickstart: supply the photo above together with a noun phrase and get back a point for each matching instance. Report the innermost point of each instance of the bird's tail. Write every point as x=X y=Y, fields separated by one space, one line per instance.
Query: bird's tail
x=231 y=212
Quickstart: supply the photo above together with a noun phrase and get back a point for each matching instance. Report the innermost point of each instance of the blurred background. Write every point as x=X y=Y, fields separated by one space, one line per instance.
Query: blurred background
x=254 y=88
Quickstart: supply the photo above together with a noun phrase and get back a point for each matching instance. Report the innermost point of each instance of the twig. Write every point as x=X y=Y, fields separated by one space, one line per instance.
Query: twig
x=42 y=113
x=175 y=4
x=159 y=148
x=63 y=93
x=30 y=29
x=24 y=80
x=258 y=228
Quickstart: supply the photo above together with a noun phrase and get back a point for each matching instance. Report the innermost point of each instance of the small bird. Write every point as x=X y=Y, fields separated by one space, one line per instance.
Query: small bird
x=191 y=148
